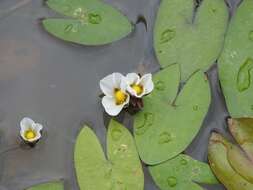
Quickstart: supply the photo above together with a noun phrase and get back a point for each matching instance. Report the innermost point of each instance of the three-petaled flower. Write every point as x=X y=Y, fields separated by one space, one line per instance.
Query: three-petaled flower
x=30 y=131
x=139 y=86
x=114 y=87
x=120 y=90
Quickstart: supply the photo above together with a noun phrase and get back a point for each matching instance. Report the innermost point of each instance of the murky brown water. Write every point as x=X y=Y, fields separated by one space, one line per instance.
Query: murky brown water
x=56 y=84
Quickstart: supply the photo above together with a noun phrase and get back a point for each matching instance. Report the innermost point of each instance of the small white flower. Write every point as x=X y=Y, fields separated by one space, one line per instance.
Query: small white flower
x=139 y=86
x=30 y=131
x=114 y=87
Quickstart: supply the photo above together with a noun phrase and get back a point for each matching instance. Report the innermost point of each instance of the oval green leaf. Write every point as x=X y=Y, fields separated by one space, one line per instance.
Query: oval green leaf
x=48 y=186
x=236 y=63
x=122 y=168
x=90 y=22
x=182 y=172
x=194 y=41
x=168 y=123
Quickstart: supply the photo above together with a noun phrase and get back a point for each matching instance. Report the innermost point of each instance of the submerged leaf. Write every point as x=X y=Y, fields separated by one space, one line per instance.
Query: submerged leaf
x=192 y=41
x=236 y=63
x=121 y=171
x=226 y=160
x=48 y=186
x=182 y=172
x=167 y=124
x=91 y=22
x=242 y=131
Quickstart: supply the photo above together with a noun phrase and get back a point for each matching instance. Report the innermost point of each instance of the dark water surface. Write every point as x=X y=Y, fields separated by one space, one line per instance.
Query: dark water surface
x=56 y=84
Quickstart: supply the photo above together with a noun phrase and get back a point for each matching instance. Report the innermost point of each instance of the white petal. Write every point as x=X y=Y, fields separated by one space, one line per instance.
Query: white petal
x=26 y=123
x=118 y=78
x=37 y=127
x=107 y=85
x=110 y=82
x=148 y=85
x=110 y=106
x=123 y=84
x=132 y=78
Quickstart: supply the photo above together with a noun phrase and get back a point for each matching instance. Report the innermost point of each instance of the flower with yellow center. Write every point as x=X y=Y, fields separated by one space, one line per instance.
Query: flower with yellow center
x=139 y=86
x=30 y=131
x=116 y=97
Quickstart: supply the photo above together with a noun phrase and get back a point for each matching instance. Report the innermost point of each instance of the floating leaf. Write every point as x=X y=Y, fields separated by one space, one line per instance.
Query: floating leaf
x=48 y=186
x=194 y=41
x=167 y=124
x=121 y=171
x=236 y=63
x=91 y=22
x=229 y=164
x=181 y=173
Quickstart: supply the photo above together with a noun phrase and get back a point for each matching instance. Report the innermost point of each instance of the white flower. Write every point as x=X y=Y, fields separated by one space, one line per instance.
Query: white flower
x=114 y=87
x=30 y=131
x=139 y=86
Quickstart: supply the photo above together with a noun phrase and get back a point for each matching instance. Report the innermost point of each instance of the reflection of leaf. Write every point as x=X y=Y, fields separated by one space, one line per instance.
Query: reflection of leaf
x=48 y=186
x=230 y=164
x=121 y=171
x=192 y=44
x=181 y=173
x=236 y=63
x=164 y=128
x=91 y=22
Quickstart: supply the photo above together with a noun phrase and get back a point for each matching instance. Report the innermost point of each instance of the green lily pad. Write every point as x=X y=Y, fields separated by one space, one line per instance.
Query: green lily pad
x=168 y=123
x=48 y=186
x=229 y=164
x=181 y=173
x=236 y=63
x=90 y=22
x=192 y=41
x=122 y=168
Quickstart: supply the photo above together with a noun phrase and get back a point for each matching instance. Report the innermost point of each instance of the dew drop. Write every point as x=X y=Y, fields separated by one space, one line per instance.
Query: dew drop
x=94 y=18
x=172 y=181
x=251 y=35
x=68 y=28
x=167 y=35
x=195 y=107
x=244 y=75
x=183 y=161
x=77 y=12
x=148 y=119
x=164 y=137
x=116 y=134
x=159 y=85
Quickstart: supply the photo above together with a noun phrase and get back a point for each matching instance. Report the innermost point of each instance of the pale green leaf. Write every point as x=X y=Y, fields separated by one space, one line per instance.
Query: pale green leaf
x=122 y=168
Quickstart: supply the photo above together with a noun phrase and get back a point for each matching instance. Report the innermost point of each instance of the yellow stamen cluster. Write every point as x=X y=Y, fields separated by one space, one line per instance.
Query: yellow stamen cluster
x=30 y=134
x=137 y=88
x=120 y=96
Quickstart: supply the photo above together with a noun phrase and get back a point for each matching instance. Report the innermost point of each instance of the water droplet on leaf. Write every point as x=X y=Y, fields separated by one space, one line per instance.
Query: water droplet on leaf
x=148 y=119
x=244 y=75
x=68 y=28
x=94 y=18
x=183 y=161
x=195 y=108
x=167 y=35
x=172 y=181
x=164 y=137
x=159 y=85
